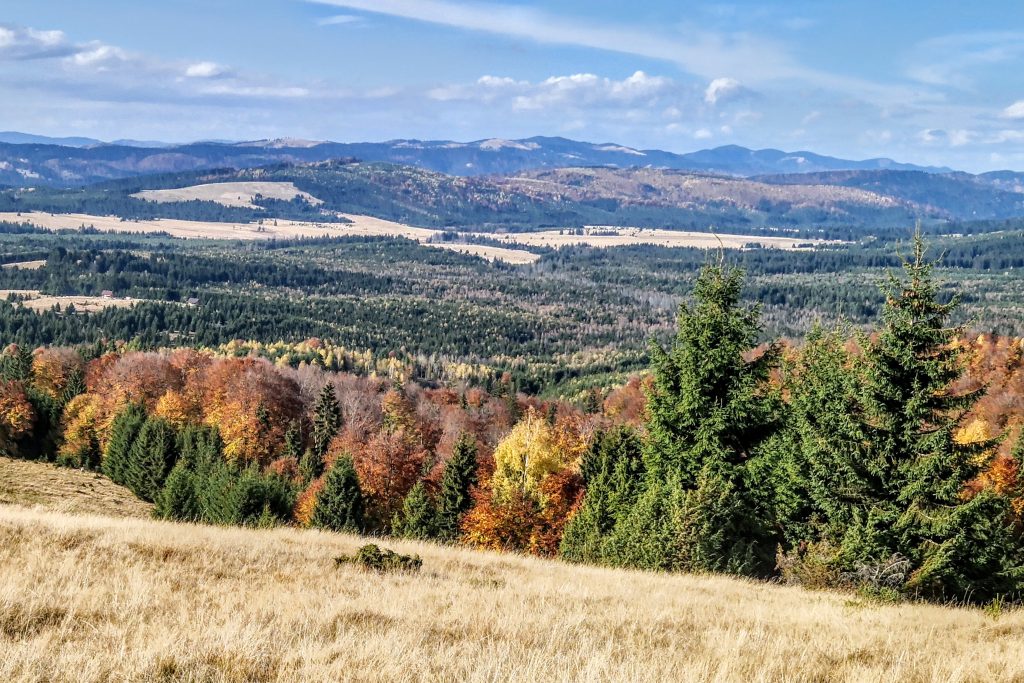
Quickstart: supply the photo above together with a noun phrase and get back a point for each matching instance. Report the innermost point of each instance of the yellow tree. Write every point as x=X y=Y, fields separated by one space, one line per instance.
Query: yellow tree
x=531 y=451
x=16 y=415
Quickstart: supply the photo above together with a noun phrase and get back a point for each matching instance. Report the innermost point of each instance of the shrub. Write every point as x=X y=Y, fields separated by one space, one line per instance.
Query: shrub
x=374 y=558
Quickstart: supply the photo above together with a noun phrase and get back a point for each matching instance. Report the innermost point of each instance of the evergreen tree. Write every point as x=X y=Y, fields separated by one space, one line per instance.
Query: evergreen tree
x=959 y=546
x=326 y=422
x=178 y=499
x=417 y=518
x=460 y=475
x=257 y=499
x=123 y=431
x=293 y=442
x=612 y=471
x=151 y=457
x=340 y=504
x=710 y=411
x=16 y=363
x=74 y=386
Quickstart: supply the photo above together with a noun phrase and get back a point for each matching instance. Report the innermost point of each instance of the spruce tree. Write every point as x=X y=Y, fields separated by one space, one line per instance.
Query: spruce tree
x=151 y=457
x=710 y=411
x=326 y=422
x=460 y=475
x=959 y=546
x=340 y=505
x=123 y=432
x=612 y=471
x=417 y=519
x=178 y=499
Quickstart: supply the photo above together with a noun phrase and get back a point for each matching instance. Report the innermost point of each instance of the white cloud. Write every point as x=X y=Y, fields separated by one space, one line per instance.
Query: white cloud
x=704 y=53
x=204 y=70
x=1014 y=111
x=702 y=134
x=721 y=89
x=338 y=19
x=20 y=43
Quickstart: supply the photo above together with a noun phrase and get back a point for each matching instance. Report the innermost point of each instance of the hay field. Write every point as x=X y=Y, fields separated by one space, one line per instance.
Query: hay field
x=39 y=302
x=95 y=598
x=599 y=237
x=26 y=265
x=365 y=226
x=240 y=194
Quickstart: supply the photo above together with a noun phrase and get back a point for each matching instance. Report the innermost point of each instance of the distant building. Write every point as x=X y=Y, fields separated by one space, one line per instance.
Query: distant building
x=192 y=301
x=107 y=294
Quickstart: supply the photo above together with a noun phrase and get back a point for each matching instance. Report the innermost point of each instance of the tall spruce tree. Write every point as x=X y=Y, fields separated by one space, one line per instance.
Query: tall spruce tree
x=326 y=423
x=959 y=546
x=123 y=432
x=340 y=504
x=710 y=410
x=453 y=500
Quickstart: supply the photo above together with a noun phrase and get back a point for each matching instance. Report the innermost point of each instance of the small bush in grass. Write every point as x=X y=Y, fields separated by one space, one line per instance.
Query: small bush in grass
x=374 y=558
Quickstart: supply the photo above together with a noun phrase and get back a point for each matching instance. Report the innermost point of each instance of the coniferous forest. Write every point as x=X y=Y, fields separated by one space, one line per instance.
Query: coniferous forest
x=878 y=455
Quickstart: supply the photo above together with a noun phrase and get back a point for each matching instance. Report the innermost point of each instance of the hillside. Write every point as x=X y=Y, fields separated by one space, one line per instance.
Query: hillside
x=32 y=159
x=62 y=489
x=182 y=602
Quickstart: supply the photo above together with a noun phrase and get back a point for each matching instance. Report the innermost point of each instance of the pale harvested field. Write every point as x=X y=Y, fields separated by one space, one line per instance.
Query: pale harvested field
x=91 y=598
x=229 y=194
x=664 y=238
x=83 y=304
x=62 y=489
x=271 y=229
x=26 y=265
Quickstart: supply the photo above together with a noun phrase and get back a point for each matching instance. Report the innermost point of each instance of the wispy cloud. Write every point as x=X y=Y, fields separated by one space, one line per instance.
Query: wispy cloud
x=338 y=19
x=703 y=53
x=954 y=60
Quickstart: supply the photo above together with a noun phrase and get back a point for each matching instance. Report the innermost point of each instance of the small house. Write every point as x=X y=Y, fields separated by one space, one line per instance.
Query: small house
x=193 y=301
x=107 y=294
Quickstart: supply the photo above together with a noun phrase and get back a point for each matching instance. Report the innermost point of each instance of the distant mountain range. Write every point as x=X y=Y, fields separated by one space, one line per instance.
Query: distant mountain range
x=556 y=180
x=29 y=159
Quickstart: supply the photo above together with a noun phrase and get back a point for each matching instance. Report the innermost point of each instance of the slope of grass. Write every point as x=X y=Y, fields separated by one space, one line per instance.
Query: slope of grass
x=90 y=598
x=36 y=484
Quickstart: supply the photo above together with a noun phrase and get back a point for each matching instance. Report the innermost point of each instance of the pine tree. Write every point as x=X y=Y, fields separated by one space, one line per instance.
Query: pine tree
x=16 y=363
x=151 y=457
x=123 y=432
x=178 y=499
x=74 y=386
x=958 y=546
x=612 y=471
x=326 y=421
x=417 y=519
x=460 y=475
x=340 y=505
x=710 y=412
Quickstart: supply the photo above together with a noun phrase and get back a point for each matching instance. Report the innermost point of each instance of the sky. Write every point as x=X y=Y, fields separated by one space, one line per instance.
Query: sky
x=938 y=82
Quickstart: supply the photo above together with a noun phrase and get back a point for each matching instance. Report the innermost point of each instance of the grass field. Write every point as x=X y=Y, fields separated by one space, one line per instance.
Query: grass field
x=229 y=194
x=62 y=489
x=362 y=226
x=83 y=304
x=95 y=598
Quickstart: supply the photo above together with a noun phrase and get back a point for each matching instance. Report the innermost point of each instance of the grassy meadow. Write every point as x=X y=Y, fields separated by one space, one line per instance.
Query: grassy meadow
x=109 y=597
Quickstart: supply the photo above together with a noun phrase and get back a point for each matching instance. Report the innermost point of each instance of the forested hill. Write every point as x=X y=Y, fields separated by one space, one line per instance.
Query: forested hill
x=79 y=161
x=557 y=198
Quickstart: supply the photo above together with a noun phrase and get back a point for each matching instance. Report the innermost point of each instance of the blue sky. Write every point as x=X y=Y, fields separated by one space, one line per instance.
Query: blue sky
x=936 y=82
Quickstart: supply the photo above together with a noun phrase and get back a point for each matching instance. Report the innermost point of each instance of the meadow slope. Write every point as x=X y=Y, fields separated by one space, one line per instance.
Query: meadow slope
x=97 y=598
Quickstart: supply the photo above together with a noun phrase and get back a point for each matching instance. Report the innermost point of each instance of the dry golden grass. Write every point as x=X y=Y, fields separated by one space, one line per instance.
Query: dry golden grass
x=62 y=489
x=364 y=226
x=39 y=302
x=86 y=598
x=600 y=236
x=26 y=265
x=229 y=194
